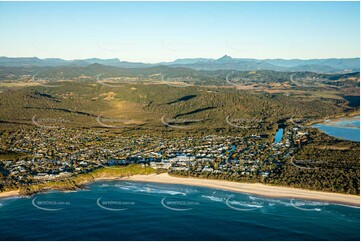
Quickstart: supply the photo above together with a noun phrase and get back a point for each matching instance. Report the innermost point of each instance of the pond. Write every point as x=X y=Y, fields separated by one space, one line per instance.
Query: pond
x=278 y=135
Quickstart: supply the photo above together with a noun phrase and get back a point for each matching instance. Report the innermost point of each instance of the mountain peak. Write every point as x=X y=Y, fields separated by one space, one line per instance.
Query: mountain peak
x=225 y=58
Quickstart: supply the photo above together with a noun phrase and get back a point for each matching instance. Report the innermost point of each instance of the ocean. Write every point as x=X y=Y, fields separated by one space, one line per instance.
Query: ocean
x=122 y=210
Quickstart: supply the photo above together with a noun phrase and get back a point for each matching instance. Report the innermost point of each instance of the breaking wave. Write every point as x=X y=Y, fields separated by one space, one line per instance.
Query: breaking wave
x=150 y=189
x=214 y=198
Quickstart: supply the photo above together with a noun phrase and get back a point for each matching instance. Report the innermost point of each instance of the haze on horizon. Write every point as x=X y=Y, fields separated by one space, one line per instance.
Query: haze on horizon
x=164 y=31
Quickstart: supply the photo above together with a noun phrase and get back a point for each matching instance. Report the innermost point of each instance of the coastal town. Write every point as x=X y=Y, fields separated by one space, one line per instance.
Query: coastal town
x=180 y=121
x=50 y=154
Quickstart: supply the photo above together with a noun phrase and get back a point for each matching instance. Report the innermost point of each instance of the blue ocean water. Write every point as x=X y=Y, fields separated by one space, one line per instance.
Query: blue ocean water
x=345 y=128
x=121 y=210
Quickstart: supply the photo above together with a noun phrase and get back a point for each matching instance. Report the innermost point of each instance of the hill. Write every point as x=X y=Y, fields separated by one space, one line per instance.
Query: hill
x=331 y=65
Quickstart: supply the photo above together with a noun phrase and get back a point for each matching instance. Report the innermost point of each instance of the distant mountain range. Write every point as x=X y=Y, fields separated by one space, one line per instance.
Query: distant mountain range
x=226 y=62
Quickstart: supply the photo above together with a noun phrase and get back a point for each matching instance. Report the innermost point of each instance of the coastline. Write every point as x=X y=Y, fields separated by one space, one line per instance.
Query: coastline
x=13 y=193
x=250 y=188
x=322 y=120
x=239 y=187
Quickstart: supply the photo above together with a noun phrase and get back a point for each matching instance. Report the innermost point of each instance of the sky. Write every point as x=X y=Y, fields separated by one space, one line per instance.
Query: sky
x=164 y=31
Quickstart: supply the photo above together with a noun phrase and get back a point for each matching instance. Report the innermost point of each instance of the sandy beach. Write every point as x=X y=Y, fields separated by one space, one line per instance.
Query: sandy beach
x=9 y=194
x=251 y=188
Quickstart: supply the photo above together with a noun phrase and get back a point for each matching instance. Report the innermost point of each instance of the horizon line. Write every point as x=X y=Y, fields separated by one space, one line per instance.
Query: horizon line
x=210 y=58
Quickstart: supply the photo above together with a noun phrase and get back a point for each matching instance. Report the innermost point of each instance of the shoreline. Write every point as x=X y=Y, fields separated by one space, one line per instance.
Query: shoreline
x=322 y=120
x=7 y=194
x=249 y=188
x=239 y=187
